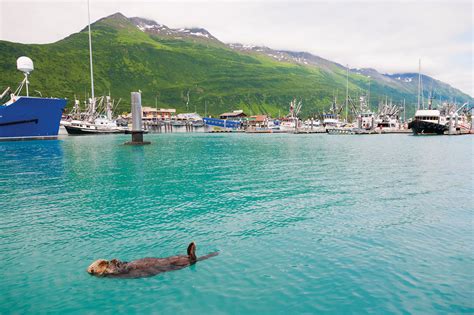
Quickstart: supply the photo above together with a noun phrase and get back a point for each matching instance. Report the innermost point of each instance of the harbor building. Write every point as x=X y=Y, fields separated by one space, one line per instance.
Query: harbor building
x=151 y=113
x=235 y=115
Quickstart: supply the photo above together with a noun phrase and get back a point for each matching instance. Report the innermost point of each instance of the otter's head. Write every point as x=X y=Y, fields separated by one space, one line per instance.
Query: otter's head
x=102 y=267
x=98 y=267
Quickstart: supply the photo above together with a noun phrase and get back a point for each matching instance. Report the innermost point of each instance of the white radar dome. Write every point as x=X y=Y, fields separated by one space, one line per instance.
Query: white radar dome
x=24 y=64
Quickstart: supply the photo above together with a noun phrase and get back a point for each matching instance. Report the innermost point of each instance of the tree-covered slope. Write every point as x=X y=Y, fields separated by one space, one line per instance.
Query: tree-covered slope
x=166 y=65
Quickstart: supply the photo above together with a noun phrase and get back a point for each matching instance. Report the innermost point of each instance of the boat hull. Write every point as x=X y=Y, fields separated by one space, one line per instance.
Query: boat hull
x=73 y=130
x=31 y=118
x=425 y=127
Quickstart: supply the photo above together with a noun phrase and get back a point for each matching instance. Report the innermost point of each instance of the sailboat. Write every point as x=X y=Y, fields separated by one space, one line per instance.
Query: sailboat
x=94 y=122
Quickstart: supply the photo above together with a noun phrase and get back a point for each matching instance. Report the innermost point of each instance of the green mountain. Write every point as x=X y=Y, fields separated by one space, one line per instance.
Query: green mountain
x=132 y=54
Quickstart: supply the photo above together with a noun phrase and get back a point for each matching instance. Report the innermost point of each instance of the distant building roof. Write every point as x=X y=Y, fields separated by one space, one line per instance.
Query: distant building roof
x=235 y=113
x=259 y=118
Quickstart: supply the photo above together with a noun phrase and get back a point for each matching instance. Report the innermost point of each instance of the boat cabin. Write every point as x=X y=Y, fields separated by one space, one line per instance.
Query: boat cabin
x=430 y=115
x=366 y=120
x=330 y=120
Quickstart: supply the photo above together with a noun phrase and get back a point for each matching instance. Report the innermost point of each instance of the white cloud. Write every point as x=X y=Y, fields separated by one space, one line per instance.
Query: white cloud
x=387 y=36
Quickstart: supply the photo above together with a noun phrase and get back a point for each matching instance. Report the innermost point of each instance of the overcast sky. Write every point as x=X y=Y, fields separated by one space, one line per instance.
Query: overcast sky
x=389 y=36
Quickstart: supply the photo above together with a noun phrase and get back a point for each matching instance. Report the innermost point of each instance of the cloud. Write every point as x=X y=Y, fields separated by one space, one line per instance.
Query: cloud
x=388 y=36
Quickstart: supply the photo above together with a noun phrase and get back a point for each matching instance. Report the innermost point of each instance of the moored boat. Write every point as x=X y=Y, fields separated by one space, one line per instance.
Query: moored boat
x=290 y=122
x=26 y=117
x=98 y=116
x=428 y=121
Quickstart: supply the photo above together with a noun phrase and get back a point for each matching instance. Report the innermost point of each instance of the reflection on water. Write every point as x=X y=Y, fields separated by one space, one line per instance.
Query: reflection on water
x=303 y=223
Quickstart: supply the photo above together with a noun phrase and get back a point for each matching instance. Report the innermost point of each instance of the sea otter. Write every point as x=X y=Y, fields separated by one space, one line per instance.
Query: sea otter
x=145 y=267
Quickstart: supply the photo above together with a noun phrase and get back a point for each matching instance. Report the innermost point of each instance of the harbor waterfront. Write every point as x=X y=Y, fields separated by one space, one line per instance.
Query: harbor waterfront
x=303 y=223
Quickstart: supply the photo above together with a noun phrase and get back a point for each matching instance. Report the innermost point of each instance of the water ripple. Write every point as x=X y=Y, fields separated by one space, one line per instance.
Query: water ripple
x=303 y=223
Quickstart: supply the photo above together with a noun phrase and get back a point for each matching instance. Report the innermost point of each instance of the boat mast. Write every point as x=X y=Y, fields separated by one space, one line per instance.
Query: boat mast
x=368 y=95
x=90 y=57
x=347 y=92
x=419 y=82
x=404 y=112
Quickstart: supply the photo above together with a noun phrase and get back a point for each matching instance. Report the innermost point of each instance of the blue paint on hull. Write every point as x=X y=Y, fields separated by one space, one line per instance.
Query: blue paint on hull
x=31 y=117
x=233 y=124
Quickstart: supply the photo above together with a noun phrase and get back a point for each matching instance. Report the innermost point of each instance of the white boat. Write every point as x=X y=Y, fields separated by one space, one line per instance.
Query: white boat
x=290 y=123
x=448 y=119
x=312 y=123
x=92 y=121
x=331 y=119
x=98 y=116
x=388 y=117
x=365 y=117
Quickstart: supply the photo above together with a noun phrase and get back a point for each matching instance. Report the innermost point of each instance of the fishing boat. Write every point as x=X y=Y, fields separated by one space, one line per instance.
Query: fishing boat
x=309 y=123
x=458 y=119
x=290 y=122
x=27 y=117
x=448 y=119
x=365 y=116
x=98 y=118
x=428 y=121
x=331 y=118
x=388 y=117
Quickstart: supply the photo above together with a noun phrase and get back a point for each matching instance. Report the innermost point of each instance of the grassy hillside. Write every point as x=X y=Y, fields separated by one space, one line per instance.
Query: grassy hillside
x=127 y=59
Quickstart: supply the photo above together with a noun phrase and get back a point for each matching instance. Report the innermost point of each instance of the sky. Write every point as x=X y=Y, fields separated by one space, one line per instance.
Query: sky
x=389 y=36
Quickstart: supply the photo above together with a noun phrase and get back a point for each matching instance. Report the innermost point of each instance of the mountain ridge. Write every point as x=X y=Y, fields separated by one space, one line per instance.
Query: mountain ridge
x=165 y=63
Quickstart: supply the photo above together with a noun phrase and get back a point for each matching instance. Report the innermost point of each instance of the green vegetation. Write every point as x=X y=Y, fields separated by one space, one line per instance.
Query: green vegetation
x=164 y=69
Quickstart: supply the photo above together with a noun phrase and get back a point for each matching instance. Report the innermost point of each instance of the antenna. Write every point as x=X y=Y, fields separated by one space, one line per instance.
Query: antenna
x=25 y=65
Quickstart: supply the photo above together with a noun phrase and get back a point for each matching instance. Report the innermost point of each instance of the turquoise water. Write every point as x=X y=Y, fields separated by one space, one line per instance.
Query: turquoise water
x=303 y=223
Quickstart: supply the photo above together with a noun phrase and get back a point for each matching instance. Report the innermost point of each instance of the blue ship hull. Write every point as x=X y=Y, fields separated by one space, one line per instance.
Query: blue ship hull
x=31 y=117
